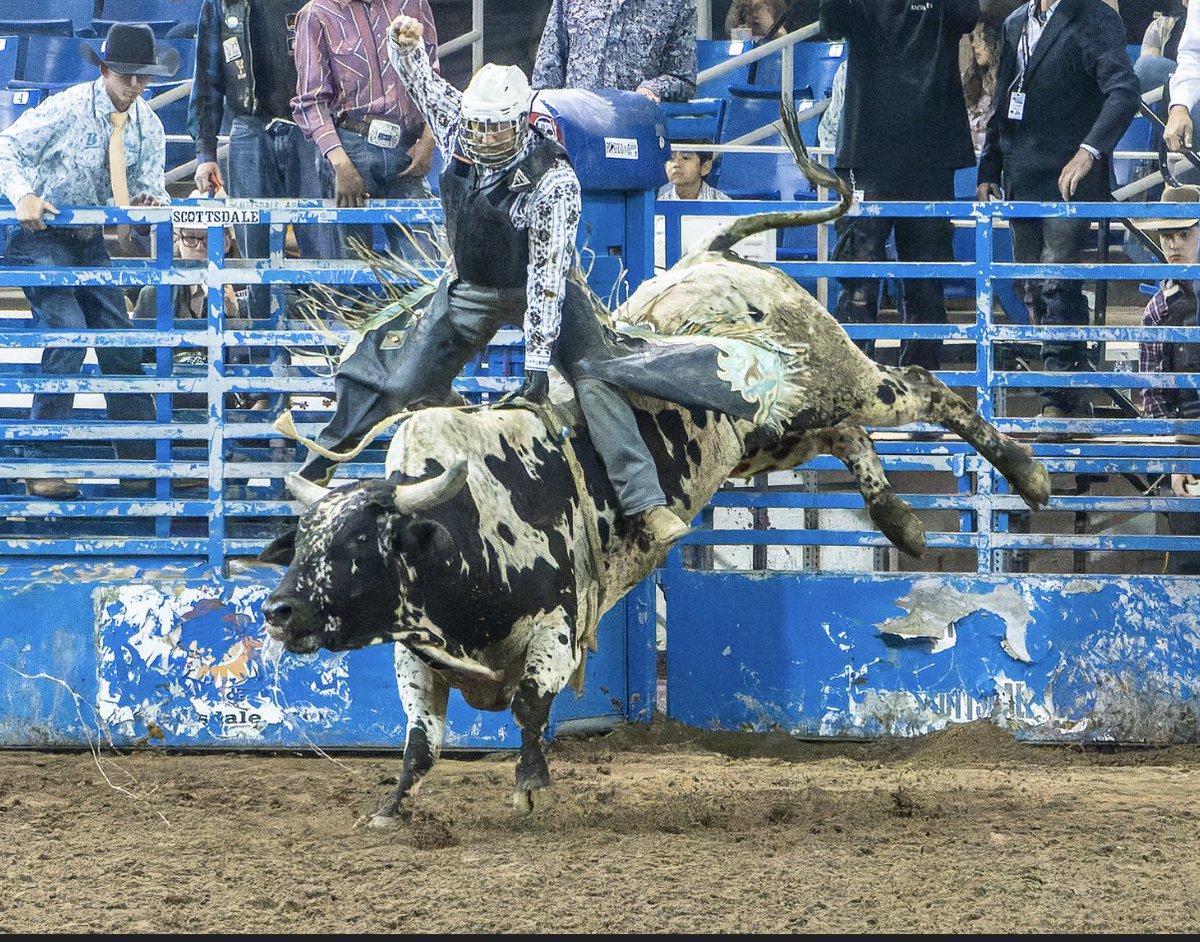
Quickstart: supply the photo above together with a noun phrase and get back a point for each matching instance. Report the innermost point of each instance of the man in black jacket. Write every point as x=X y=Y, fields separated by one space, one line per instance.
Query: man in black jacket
x=904 y=133
x=1065 y=93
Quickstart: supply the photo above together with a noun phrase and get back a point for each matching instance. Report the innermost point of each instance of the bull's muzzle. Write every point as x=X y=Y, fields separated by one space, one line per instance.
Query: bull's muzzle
x=288 y=621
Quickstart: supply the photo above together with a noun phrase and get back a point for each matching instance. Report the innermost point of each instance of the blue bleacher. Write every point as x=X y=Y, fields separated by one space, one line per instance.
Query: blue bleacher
x=159 y=27
x=10 y=58
x=15 y=101
x=695 y=120
x=148 y=11
x=59 y=27
x=814 y=65
x=53 y=62
x=79 y=12
x=711 y=52
x=1138 y=136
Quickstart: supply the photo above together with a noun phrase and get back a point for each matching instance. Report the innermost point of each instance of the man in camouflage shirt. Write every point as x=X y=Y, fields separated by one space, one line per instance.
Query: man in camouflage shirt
x=648 y=46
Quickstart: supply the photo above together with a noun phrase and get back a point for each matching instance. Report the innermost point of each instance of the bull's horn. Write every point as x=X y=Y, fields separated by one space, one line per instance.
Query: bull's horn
x=413 y=498
x=303 y=489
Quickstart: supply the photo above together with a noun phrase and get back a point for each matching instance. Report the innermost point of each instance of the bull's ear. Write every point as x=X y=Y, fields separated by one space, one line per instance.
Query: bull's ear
x=422 y=539
x=281 y=550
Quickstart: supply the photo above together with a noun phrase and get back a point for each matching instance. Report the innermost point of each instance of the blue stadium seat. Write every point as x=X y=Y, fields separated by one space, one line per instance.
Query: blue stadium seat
x=815 y=65
x=760 y=176
x=160 y=27
x=711 y=52
x=1138 y=136
x=695 y=120
x=13 y=102
x=37 y=28
x=10 y=58
x=146 y=11
x=79 y=12
x=54 y=62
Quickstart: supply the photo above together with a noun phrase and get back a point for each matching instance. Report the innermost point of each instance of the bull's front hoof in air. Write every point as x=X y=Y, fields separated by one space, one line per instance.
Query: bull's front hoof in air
x=896 y=520
x=1027 y=476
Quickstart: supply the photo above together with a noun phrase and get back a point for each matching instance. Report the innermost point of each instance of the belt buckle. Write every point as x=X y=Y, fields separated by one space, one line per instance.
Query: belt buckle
x=386 y=134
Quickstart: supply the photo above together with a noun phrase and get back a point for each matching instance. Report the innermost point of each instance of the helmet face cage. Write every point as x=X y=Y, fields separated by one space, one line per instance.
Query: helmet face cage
x=492 y=143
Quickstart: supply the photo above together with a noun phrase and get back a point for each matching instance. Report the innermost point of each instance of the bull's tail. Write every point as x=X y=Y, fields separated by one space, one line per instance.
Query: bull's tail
x=732 y=233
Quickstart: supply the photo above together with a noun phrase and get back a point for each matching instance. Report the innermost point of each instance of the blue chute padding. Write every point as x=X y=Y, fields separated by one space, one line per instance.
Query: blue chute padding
x=617 y=140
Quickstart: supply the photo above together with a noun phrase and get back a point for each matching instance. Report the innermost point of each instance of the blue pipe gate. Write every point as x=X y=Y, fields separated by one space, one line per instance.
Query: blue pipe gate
x=139 y=617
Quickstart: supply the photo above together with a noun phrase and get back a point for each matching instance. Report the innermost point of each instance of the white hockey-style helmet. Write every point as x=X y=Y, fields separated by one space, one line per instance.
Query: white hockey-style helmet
x=495 y=114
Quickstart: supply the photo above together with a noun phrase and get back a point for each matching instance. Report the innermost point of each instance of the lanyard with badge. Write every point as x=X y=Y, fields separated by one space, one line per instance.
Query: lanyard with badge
x=1016 y=100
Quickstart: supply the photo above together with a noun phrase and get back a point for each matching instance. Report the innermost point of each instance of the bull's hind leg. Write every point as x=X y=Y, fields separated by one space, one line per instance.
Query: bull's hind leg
x=424 y=697
x=912 y=394
x=892 y=515
x=550 y=660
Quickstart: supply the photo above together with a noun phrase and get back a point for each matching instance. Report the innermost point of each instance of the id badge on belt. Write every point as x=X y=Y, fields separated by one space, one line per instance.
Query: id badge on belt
x=385 y=134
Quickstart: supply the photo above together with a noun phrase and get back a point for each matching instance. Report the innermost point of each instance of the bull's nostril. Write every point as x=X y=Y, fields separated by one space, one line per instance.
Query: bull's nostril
x=277 y=611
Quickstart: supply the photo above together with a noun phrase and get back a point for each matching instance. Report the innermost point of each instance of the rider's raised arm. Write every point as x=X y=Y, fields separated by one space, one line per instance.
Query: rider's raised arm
x=436 y=99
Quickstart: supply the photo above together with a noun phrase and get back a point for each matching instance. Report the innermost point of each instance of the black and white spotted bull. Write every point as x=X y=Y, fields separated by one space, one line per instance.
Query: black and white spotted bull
x=489 y=566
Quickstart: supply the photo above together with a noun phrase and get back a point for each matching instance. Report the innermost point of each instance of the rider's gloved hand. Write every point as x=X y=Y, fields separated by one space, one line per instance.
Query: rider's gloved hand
x=535 y=390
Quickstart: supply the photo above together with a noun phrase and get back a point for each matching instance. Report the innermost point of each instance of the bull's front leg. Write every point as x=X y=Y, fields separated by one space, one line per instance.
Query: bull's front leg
x=424 y=696
x=550 y=659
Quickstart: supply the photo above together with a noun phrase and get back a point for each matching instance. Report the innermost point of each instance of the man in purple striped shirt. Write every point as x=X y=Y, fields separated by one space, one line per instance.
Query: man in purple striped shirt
x=353 y=106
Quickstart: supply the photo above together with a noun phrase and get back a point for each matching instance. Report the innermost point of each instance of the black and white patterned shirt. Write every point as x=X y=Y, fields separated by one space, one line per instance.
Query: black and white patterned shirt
x=549 y=213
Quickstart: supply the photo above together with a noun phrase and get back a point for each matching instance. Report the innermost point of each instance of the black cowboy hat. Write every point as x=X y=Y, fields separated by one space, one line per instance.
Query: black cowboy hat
x=131 y=49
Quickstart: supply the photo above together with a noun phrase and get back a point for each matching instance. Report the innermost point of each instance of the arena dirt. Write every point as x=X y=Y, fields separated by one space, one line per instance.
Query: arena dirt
x=649 y=829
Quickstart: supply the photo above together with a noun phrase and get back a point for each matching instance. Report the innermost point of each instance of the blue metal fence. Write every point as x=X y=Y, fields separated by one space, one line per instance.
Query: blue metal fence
x=242 y=458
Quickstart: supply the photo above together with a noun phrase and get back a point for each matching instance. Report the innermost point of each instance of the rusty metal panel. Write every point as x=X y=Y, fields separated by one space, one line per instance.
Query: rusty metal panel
x=1079 y=658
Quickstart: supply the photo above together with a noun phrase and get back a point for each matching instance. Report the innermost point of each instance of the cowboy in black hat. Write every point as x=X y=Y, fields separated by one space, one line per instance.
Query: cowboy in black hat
x=90 y=145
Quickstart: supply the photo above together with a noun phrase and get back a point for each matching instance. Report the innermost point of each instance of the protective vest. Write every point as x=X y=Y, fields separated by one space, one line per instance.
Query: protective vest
x=488 y=249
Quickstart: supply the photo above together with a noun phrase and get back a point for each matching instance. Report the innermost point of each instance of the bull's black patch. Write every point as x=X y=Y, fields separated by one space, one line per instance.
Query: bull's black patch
x=506 y=534
x=604 y=531
x=693 y=452
x=699 y=417
x=886 y=392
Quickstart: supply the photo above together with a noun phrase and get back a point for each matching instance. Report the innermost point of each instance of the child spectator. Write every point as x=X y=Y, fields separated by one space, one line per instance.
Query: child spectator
x=686 y=170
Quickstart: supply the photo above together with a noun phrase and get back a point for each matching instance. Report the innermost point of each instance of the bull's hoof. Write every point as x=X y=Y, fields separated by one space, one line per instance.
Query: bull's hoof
x=896 y=520
x=1027 y=476
x=532 y=771
x=522 y=801
x=381 y=820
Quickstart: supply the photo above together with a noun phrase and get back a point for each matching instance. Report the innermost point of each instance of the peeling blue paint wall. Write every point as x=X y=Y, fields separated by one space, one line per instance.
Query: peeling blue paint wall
x=170 y=655
x=1081 y=658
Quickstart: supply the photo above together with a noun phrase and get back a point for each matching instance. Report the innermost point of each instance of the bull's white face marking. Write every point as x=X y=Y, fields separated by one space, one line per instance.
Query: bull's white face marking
x=447 y=437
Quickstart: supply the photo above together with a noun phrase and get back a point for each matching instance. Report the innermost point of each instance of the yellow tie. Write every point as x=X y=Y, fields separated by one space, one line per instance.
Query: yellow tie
x=116 y=170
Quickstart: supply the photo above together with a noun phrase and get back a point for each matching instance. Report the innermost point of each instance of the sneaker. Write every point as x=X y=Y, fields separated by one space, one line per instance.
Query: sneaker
x=663 y=526
x=51 y=488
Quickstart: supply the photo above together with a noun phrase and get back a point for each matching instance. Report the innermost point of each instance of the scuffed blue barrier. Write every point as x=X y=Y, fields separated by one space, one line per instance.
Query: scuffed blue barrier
x=1074 y=658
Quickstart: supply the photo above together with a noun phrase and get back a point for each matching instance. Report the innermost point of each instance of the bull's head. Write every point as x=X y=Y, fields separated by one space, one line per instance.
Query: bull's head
x=348 y=556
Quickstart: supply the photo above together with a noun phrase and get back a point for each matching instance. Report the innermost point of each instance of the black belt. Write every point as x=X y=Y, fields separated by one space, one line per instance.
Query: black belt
x=363 y=126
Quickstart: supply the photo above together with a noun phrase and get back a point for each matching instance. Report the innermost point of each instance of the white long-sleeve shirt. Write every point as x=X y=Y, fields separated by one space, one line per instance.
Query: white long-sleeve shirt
x=1185 y=83
x=550 y=213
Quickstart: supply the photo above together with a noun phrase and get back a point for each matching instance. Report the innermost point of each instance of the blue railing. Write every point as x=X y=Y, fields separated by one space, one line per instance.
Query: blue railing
x=240 y=458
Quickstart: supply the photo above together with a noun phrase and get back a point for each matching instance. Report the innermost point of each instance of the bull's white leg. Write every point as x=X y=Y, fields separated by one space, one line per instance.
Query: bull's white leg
x=424 y=697
x=550 y=659
x=912 y=394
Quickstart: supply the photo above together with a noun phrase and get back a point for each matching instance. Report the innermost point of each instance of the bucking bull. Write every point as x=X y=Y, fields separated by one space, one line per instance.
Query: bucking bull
x=494 y=545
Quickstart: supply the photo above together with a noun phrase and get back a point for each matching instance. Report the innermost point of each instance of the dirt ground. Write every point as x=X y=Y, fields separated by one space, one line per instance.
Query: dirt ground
x=658 y=828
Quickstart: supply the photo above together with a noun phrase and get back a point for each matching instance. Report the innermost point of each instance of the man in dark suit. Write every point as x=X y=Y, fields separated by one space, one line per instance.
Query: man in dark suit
x=1065 y=93
x=903 y=133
